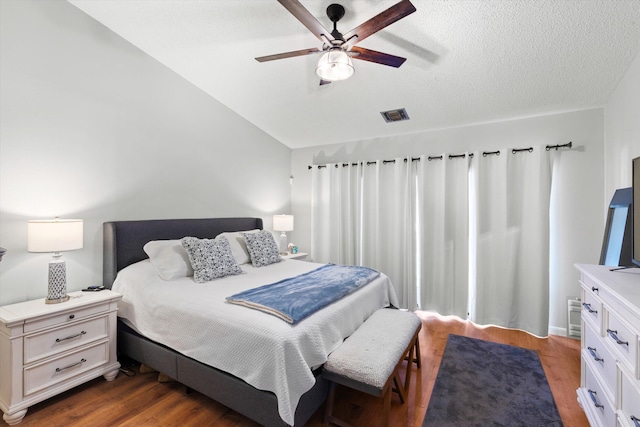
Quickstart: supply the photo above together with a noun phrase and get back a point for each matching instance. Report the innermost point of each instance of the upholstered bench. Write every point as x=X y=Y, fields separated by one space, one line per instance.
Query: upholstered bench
x=369 y=360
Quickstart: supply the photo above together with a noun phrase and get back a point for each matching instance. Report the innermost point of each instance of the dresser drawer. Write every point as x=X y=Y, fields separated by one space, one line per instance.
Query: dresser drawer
x=51 y=342
x=624 y=341
x=592 y=307
x=601 y=359
x=52 y=372
x=597 y=400
x=630 y=401
x=67 y=317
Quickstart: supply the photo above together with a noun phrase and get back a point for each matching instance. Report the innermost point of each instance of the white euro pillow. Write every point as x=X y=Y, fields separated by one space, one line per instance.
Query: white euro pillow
x=238 y=245
x=169 y=258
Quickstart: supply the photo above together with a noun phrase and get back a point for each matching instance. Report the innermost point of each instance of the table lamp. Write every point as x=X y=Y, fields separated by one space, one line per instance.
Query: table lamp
x=55 y=235
x=283 y=223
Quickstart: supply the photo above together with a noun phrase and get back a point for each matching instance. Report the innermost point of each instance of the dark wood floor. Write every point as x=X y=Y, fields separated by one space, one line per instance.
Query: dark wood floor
x=142 y=401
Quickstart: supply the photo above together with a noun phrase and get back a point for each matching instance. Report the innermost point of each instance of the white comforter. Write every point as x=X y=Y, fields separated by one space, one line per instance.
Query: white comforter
x=266 y=352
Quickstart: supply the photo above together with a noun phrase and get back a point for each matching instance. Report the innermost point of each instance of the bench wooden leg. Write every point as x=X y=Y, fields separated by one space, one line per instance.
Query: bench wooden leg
x=402 y=394
x=329 y=409
x=328 y=412
x=387 y=407
x=407 y=374
x=416 y=358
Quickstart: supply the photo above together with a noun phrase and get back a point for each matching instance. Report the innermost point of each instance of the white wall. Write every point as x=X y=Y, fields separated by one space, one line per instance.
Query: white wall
x=93 y=128
x=622 y=130
x=578 y=217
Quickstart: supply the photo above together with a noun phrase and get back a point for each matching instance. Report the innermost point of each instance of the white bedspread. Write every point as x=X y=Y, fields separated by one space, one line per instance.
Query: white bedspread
x=266 y=352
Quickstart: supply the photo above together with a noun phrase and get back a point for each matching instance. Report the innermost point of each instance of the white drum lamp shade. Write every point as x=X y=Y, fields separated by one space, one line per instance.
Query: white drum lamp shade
x=283 y=223
x=55 y=235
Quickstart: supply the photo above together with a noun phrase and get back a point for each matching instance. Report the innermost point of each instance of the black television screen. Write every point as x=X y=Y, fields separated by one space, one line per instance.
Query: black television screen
x=617 y=241
x=635 y=207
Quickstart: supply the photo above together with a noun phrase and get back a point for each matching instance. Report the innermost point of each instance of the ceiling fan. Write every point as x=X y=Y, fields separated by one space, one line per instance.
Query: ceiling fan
x=335 y=63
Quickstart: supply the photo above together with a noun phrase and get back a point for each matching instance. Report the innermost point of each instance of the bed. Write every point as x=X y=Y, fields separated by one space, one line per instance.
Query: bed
x=276 y=378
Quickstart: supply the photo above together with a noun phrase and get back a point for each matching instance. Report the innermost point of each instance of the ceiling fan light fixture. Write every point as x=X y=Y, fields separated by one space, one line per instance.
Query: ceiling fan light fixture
x=335 y=65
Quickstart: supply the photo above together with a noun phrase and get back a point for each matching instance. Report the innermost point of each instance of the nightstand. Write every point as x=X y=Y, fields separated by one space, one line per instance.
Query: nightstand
x=46 y=349
x=298 y=255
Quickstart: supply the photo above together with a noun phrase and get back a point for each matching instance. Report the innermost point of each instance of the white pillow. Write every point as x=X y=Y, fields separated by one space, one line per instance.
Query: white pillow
x=238 y=245
x=169 y=258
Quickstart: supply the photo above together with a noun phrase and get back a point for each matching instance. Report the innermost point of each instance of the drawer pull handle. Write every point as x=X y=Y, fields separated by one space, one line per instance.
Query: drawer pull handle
x=594 y=289
x=72 y=365
x=614 y=335
x=72 y=316
x=592 y=394
x=636 y=421
x=594 y=354
x=70 y=337
x=588 y=307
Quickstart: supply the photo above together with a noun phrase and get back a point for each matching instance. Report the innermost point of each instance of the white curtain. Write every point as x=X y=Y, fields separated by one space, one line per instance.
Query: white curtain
x=336 y=213
x=387 y=225
x=511 y=239
x=442 y=217
x=458 y=235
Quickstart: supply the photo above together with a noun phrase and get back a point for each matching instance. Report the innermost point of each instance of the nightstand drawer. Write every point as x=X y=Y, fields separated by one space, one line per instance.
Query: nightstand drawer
x=597 y=352
x=61 y=319
x=51 y=342
x=624 y=341
x=52 y=372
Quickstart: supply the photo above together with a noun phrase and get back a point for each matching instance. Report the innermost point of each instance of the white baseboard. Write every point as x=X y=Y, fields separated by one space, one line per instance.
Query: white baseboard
x=556 y=330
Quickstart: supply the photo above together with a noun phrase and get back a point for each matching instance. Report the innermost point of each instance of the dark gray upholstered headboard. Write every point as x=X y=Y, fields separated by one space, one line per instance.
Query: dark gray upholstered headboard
x=123 y=240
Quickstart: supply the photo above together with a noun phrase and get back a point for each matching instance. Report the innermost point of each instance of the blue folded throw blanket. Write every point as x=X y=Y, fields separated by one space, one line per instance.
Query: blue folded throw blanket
x=296 y=298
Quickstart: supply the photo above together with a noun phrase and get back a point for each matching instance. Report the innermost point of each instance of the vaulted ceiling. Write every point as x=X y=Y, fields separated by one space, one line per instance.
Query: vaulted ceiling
x=468 y=61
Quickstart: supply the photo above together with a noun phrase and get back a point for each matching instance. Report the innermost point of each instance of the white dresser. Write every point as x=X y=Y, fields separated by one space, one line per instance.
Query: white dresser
x=609 y=389
x=49 y=348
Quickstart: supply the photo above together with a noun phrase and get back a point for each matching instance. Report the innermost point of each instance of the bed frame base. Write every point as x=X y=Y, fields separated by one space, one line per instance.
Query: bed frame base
x=260 y=406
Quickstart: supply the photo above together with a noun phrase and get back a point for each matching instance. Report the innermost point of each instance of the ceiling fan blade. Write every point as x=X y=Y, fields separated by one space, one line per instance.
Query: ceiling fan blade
x=383 y=19
x=307 y=19
x=377 y=57
x=291 y=54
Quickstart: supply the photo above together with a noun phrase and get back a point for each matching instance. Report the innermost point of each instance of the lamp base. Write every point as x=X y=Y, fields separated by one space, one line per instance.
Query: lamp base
x=57 y=289
x=284 y=243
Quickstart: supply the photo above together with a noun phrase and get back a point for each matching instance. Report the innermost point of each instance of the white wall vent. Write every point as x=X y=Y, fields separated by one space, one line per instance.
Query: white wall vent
x=395 y=115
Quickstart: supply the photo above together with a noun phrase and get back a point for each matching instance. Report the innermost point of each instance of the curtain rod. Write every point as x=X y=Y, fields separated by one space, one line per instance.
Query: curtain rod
x=520 y=150
x=451 y=156
x=568 y=145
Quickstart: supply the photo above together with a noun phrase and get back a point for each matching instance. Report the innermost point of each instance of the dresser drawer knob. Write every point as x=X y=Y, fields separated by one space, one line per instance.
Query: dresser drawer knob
x=614 y=334
x=592 y=350
x=594 y=289
x=72 y=365
x=588 y=308
x=592 y=394
x=636 y=421
x=72 y=316
x=71 y=337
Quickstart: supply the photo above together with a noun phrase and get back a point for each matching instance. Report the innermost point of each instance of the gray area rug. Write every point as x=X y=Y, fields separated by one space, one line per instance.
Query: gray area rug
x=484 y=384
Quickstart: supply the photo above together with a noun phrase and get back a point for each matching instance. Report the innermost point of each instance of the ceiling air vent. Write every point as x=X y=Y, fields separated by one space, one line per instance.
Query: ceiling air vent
x=395 y=115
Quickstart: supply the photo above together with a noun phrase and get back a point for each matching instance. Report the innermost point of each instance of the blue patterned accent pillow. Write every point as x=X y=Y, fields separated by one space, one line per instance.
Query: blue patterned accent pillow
x=210 y=258
x=262 y=248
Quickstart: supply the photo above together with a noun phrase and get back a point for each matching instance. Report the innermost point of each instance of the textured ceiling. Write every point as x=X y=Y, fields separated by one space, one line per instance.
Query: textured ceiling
x=467 y=61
